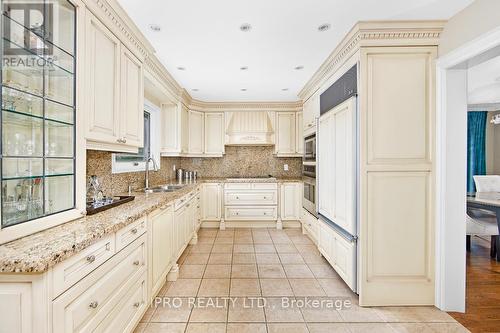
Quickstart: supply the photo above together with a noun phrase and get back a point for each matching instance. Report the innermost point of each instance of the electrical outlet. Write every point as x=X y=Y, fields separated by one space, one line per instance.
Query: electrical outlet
x=285 y=167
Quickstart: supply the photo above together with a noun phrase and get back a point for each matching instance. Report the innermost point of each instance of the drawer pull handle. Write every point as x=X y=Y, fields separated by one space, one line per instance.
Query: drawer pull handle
x=188 y=205
x=136 y=263
x=237 y=198
x=137 y=304
x=134 y=231
x=265 y=213
x=108 y=246
x=197 y=206
x=265 y=198
x=237 y=213
x=93 y=305
x=91 y=259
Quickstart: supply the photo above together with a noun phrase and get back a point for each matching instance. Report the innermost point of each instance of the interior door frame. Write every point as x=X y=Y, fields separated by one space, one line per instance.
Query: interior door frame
x=451 y=165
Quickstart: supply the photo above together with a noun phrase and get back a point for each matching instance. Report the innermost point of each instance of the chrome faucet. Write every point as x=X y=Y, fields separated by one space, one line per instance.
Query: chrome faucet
x=155 y=168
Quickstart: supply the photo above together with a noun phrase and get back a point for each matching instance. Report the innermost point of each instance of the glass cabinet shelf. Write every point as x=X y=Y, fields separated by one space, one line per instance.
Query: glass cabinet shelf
x=37 y=109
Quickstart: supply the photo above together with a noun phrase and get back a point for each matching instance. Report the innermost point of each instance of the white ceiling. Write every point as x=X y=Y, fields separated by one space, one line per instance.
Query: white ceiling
x=483 y=82
x=204 y=37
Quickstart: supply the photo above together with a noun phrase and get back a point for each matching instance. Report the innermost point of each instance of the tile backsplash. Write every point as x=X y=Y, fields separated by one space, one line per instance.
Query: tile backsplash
x=244 y=161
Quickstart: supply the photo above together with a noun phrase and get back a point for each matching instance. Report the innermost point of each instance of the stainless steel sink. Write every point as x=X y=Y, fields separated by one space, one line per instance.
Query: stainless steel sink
x=162 y=188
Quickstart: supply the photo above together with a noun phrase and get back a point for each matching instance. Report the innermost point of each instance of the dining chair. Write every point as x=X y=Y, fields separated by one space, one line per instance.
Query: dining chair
x=489 y=183
x=482 y=226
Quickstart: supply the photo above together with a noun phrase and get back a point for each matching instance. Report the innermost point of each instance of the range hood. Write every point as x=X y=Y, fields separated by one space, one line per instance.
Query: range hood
x=250 y=128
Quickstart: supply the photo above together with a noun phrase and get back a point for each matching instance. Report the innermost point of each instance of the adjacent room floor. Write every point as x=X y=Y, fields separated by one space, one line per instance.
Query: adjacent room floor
x=257 y=280
x=483 y=289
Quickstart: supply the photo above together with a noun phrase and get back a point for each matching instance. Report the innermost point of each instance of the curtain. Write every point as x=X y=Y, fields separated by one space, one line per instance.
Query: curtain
x=476 y=146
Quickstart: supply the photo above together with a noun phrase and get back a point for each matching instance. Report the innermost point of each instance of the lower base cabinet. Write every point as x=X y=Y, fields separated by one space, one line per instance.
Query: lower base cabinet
x=310 y=225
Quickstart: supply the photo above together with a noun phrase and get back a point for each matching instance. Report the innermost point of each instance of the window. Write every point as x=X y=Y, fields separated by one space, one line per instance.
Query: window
x=137 y=162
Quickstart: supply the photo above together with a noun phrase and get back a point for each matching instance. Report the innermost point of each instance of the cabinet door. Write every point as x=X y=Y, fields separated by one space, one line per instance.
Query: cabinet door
x=214 y=133
x=102 y=82
x=171 y=128
x=299 y=133
x=325 y=164
x=132 y=100
x=196 y=135
x=184 y=129
x=16 y=307
x=285 y=138
x=161 y=247
x=290 y=205
x=211 y=201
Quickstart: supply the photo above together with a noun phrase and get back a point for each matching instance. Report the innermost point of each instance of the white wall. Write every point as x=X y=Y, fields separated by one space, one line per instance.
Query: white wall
x=479 y=17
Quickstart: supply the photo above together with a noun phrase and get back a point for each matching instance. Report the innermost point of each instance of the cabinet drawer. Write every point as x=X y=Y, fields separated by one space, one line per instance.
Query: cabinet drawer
x=265 y=186
x=238 y=186
x=72 y=270
x=130 y=233
x=251 y=197
x=251 y=213
x=88 y=303
x=129 y=310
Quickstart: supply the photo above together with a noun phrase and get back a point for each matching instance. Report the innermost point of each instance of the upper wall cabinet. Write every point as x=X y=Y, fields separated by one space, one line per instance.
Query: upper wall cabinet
x=196 y=135
x=214 y=133
x=311 y=113
x=114 y=91
x=286 y=134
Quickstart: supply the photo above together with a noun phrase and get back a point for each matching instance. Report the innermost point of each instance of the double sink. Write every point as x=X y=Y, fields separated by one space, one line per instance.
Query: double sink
x=162 y=188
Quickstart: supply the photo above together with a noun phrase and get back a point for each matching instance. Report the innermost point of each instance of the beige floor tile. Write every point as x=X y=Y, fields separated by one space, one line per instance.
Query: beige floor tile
x=328 y=328
x=217 y=272
x=276 y=287
x=307 y=248
x=424 y=314
x=206 y=240
x=148 y=314
x=267 y=258
x=291 y=258
x=243 y=239
x=164 y=289
x=184 y=287
x=246 y=310
x=306 y=287
x=357 y=314
x=370 y=328
x=214 y=287
x=222 y=248
x=282 y=240
x=191 y=271
x=224 y=240
x=271 y=271
x=201 y=248
x=301 y=240
x=212 y=310
x=206 y=328
x=140 y=328
x=243 y=248
x=298 y=271
x=319 y=313
x=323 y=271
x=225 y=233
x=248 y=271
x=293 y=231
x=282 y=310
x=220 y=258
x=412 y=328
x=175 y=310
x=336 y=288
x=287 y=328
x=244 y=258
x=265 y=248
x=165 y=328
x=183 y=257
x=286 y=248
x=246 y=328
x=314 y=259
x=197 y=259
x=447 y=328
x=245 y=287
x=208 y=232
x=262 y=240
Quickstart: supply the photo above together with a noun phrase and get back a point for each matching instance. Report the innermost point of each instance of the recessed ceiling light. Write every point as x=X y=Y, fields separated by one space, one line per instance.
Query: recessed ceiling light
x=324 y=27
x=298 y=68
x=181 y=68
x=195 y=89
x=155 y=27
x=243 y=89
x=245 y=27
x=284 y=89
x=244 y=68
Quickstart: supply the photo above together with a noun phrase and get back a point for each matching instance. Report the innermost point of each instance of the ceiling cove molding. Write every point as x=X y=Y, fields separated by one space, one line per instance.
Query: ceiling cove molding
x=244 y=106
x=374 y=33
x=155 y=68
x=116 y=19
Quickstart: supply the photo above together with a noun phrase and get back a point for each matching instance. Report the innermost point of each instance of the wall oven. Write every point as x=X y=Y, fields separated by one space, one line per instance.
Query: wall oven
x=310 y=148
x=309 y=196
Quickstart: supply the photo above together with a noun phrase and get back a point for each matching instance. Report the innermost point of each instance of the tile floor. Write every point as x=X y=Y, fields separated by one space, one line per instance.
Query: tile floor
x=256 y=280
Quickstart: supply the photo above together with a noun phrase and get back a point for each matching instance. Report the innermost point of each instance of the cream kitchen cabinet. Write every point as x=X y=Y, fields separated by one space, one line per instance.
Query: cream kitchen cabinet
x=114 y=91
x=299 y=133
x=290 y=201
x=214 y=133
x=311 y=113
x=211 y=202
x=196 y=128
x=285 y=134
x=310 y=225
x=161 y=225
x=174 y=129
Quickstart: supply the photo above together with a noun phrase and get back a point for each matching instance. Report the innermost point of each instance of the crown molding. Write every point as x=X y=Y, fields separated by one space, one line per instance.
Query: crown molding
x=244 y=106
x=374 y=33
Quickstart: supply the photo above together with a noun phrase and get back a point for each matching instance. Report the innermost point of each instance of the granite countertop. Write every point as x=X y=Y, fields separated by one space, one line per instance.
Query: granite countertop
x=38 y=252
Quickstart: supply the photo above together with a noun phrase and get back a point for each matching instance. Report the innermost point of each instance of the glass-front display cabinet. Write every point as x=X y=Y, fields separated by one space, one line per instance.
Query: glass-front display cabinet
x=38 y=109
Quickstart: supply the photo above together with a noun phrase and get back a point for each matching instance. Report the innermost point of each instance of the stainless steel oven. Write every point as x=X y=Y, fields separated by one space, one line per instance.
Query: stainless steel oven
x=310 y=148
x=309 y=198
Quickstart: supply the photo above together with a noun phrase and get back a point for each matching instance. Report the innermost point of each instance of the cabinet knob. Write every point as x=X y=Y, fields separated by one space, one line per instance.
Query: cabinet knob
x=265 y=198
x=237 y=213
x=137 y=304
x=91 y=258
x=237 y=198
x=265 y=213
x=136 y=263
x=93 y=305
x=134 y=231
x=124 y=140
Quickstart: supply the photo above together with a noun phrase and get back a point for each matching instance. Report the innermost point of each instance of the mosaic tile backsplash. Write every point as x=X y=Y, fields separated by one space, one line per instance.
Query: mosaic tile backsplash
x=237 y=162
